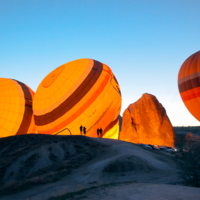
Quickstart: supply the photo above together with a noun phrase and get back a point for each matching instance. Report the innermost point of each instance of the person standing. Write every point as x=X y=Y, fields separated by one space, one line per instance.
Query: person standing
x=84 y=130
x=81 y=129
x=98 y=132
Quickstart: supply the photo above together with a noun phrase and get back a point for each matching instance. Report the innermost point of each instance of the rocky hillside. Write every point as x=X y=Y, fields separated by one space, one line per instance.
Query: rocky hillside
x=42 y=166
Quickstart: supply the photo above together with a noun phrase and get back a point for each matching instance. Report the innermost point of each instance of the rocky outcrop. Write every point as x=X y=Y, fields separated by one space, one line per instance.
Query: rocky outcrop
x=146 y=121
x=189 y=136
x=191 y=140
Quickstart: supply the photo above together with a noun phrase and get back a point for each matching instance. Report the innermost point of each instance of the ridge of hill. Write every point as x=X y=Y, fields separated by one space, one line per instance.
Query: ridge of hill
x=46 y=166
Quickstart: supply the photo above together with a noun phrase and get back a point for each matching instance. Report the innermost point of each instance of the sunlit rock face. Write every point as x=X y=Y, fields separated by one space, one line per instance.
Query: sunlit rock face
x=146 y=121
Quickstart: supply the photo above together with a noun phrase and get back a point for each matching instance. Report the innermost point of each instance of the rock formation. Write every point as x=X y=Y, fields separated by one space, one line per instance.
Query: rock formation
x=146 y=121
x=189 y=136
x=191 y=140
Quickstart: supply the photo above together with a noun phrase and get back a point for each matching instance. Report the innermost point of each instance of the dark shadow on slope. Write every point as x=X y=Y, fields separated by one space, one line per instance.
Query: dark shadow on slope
x=128 y=163
x=31 y=160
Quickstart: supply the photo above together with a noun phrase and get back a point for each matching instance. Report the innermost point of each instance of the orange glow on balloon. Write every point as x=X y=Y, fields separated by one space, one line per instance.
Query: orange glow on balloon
x=82 y=92
x=112 y=130
x=16 y=115
x=189 y=84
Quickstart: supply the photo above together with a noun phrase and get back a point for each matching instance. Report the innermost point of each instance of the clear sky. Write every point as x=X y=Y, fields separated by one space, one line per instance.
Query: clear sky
x=143 y=41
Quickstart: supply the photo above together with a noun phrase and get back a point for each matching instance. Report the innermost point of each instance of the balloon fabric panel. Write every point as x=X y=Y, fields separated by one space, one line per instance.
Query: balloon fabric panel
x=81 y=110
x=63 y=83
x=112 y=130
x=26 y=120
x=71 y=101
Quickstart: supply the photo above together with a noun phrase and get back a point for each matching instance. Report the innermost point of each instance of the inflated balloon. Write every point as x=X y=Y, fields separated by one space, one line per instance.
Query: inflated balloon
x=189 y=84
x=16 y=115
x=78 y=94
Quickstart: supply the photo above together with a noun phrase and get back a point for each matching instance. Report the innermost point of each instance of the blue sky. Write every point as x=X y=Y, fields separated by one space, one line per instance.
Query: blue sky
x=144 y=42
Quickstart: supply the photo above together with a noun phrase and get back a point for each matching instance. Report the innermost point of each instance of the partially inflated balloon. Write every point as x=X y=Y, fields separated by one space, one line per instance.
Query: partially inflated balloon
x=189 y=84
x=16 y=115
x=83 y=93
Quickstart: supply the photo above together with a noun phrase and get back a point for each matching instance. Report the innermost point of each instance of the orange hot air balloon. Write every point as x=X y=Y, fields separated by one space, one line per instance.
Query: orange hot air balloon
x=16 y=115
x=189 y=84
x=84 y=93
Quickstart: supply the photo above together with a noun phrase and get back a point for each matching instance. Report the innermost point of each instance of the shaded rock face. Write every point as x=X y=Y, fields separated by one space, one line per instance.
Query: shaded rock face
x=146 y=121
x=120 y=123
x=189 y=135
x=191 y=140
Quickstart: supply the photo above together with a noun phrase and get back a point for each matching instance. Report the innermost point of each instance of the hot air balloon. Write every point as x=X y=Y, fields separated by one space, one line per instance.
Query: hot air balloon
x=189 y=84
x=81 y=93
x=16 y=115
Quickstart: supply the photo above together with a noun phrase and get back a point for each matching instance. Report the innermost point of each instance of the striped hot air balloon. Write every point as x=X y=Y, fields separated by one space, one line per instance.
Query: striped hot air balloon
x=81 y=93
x=189 y=84
x=16 y=115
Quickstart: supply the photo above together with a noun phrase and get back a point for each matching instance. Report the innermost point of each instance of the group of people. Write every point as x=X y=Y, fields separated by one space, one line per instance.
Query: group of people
x=99 y=132
x=83 y=130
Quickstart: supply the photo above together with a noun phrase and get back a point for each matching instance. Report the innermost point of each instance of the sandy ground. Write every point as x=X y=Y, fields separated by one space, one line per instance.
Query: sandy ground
x=97 y=168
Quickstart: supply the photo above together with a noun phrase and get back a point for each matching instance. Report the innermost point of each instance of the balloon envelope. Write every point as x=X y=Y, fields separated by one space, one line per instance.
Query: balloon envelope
x=189 y=84
x=83 y=93
x=16 y=115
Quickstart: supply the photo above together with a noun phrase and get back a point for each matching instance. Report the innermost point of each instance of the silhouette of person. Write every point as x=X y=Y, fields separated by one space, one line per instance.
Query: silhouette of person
x=98 y=130
x=81 y=129
x=84 y=130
